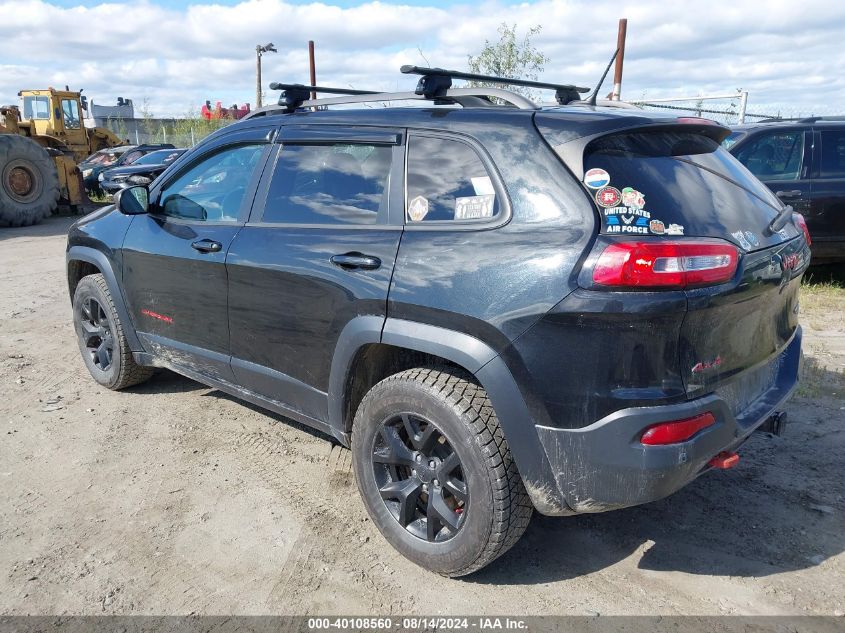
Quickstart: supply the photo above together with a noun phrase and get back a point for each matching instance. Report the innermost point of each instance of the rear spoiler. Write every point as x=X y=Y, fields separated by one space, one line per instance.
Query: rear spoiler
x=570 y=136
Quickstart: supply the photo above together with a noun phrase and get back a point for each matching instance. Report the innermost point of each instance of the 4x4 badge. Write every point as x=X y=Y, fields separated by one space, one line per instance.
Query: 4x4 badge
x=418 y=208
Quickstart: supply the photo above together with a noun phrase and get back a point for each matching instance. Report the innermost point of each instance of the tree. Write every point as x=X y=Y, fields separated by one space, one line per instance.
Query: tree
x=509 y=58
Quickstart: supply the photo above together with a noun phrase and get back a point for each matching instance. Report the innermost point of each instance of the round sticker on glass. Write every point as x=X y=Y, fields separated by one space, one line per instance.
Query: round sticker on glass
x=418 y=208
x=596 y=178
x=608 y=196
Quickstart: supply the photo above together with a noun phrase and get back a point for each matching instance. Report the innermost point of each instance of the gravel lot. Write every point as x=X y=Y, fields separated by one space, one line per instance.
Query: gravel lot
x=172 y=498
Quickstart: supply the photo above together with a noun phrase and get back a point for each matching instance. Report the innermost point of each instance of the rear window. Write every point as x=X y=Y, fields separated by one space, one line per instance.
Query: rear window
x=677 y=183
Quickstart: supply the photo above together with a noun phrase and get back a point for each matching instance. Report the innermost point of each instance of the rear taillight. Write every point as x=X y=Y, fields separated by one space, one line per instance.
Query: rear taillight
x=799 y=221
x=666 y=263
x=677 y=431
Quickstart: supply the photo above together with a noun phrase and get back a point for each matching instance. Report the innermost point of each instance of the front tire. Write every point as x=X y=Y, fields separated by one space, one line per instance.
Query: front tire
x=101 y=337
x=435 y=471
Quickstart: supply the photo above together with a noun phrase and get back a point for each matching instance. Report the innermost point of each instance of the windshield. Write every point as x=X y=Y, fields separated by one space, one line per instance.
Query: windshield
x=103 y=158
x=160 y=157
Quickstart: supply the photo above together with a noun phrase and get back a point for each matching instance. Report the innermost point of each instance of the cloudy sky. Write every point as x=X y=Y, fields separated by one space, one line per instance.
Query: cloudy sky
x=176 y=54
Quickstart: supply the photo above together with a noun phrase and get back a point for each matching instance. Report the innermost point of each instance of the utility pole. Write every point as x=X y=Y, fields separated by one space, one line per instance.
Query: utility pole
x=259 y=51
x=620 y=58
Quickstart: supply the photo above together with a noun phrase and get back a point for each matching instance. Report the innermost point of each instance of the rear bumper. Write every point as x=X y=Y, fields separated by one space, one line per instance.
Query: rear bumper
x=605 y=467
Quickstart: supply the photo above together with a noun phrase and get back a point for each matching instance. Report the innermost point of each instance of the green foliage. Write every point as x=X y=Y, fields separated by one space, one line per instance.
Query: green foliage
x=509 y=57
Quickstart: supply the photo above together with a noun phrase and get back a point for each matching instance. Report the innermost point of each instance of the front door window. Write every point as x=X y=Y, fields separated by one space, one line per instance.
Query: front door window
x=775 y=156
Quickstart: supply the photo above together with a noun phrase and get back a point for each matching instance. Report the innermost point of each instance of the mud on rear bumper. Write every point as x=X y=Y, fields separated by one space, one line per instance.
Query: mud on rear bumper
x=605 y=467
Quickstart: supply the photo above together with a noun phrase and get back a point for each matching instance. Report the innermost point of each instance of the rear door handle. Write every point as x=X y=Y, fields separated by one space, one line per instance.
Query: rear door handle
x=356 y=261
x=207 y=246
x=792 y=193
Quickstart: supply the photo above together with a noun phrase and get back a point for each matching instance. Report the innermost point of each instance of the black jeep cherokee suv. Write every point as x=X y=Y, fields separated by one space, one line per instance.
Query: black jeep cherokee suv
x=803 y=162
x=497 y=307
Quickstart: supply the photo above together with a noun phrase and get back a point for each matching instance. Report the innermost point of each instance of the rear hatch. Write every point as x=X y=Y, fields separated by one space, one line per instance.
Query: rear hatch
x=674 y=183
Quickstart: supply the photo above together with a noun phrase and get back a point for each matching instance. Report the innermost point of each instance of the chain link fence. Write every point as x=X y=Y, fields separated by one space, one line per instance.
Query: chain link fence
x=185 y=132
x=733 y=109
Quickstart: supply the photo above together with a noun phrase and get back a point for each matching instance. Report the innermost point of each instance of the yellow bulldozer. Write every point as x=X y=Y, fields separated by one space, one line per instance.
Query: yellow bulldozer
x=39 y=150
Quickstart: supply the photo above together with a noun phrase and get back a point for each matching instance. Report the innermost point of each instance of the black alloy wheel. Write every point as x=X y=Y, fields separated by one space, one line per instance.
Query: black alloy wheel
x=96 y=333
x=102 y=337
x=419 y=477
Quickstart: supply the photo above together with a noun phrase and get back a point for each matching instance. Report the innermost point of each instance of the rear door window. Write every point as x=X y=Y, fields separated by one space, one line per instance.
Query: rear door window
x=447 y=181
x=832 y=162
x=678 y=183
x=329 y=183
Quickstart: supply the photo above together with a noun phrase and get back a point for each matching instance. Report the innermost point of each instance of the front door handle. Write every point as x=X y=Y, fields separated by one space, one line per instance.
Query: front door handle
x=792 y=193
x=356 y=261
x=207 y=246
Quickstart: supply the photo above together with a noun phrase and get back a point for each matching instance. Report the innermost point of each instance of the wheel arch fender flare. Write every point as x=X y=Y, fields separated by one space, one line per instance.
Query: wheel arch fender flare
x=103 y=263
x=479 y=359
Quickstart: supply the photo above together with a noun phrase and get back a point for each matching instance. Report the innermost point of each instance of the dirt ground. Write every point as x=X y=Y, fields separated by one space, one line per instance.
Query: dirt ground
x=172 y=498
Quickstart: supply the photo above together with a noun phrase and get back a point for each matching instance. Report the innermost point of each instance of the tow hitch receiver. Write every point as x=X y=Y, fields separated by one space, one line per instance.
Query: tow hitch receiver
x=774 y=424
x=724 y=460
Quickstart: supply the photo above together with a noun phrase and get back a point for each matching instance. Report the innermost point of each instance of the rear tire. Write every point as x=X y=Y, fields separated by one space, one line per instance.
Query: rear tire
x=29 y=183
x=101 y=337
x=460 y=506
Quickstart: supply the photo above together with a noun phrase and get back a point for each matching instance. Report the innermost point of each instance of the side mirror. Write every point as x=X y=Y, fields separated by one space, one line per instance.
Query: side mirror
x=133 y=200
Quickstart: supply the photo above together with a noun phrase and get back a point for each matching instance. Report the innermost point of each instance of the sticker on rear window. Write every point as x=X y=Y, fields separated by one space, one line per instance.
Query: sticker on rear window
x=474 y=207
x=752 y=238
x=632 y=198
x=624 y=212
x=739 y=236
x=608 y=197
x=596 y=178
x=482 y=185
x=418 y=208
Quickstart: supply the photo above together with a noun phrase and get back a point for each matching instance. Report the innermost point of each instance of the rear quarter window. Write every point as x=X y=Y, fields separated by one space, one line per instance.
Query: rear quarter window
x=447 y=181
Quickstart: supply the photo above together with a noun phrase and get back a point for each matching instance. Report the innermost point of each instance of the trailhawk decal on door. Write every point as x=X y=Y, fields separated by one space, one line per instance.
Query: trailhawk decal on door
x=156 y=315
x=623 y=212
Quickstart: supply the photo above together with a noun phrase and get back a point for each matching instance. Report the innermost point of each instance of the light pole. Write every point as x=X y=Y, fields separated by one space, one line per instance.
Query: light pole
x=259 y=51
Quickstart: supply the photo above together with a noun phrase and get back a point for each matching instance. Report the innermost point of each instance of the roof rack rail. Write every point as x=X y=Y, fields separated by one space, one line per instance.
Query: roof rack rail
x=435 y=81
x=813 y=119
x=800 y=119
x=294 y=95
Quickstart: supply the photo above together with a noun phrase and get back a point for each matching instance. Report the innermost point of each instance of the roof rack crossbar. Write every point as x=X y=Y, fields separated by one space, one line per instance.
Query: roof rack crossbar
x=434 y=80
x=451 y=95
x=294 y=95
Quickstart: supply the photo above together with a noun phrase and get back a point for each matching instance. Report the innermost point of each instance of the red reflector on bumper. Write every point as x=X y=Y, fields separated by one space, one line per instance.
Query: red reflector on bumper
x=724 y=460
x=677 y=431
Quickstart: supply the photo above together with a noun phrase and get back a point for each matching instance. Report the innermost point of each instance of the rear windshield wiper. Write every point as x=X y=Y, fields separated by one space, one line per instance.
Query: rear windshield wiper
x=780 y=219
